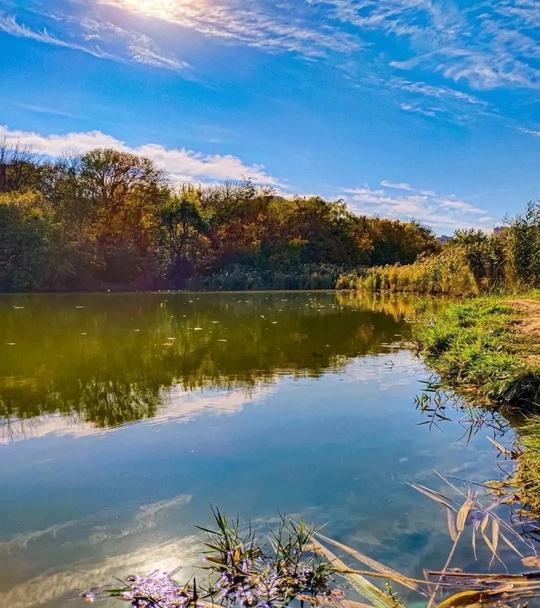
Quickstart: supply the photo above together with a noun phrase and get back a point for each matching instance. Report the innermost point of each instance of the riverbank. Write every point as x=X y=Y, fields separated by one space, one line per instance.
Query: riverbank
x=488 y=348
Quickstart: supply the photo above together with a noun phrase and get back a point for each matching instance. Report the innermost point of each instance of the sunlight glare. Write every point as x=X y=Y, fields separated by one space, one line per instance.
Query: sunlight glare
x=157 y=8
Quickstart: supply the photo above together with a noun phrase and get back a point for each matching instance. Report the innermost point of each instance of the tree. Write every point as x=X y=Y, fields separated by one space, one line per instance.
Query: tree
x=20 y=168
x=31 y=245
x=183 y=227
x=113 y=197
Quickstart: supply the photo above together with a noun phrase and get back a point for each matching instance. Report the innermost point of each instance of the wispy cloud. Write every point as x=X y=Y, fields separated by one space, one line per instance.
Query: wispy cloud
x=10 y=25
x=183 y=165
x=442 y=212
x=89 y=36
x=397 y=185
x=141 y=48
x=276 y=30
x=407 y=107
x=532 y=132
x=38 y=109
x=487 y=45
x=445 y=94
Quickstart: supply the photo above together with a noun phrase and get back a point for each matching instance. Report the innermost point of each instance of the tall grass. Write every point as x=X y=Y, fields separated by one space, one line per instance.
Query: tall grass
x=446 y=273
x=472 y=263
x=246 y=278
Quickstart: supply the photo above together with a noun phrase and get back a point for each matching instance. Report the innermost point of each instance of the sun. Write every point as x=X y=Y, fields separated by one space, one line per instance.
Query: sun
x=155 y=8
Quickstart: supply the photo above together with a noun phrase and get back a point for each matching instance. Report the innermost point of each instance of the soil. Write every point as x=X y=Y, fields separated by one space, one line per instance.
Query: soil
x=528 y=327
x=530 y=311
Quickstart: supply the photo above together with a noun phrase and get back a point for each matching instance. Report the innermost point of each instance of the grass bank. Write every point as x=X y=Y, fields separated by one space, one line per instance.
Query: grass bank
x=488 y=347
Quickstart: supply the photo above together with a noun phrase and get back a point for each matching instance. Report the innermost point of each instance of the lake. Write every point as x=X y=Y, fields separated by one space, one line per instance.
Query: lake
x=125 y=417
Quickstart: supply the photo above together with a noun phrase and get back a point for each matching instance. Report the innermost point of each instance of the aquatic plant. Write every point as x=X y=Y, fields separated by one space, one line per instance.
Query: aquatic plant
x=295 y=565
x=243 y=569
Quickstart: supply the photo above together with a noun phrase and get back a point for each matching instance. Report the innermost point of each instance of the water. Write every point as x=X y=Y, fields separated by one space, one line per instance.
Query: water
x=124 y=417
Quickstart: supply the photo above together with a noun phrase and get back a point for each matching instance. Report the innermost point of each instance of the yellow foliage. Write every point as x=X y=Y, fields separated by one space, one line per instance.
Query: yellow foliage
x=448 y=272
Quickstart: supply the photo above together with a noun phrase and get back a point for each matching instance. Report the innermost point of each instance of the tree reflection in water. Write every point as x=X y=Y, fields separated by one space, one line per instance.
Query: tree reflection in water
x=110 y=359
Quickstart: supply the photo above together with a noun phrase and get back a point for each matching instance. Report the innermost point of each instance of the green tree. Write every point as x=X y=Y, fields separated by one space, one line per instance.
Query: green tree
x=31 y=244
x=183 y=228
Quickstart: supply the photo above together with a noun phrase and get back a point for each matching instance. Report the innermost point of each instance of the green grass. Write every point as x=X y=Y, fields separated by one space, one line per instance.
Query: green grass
x=475 y=348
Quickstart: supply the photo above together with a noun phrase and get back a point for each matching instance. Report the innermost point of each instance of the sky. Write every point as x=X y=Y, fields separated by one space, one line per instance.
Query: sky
x=410 y=109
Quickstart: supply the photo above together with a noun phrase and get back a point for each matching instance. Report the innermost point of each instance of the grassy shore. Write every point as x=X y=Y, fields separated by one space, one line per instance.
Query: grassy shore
x=489 y=348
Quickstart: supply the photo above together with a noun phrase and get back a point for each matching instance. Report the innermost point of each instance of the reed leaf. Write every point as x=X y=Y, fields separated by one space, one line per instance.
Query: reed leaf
x=500 y=447
x=495 y=531
x=374 y=564
x=510 y=544
x=463 y=514
x=484 y=524
x=451 y=524
x=436 y=496
x=364 y=587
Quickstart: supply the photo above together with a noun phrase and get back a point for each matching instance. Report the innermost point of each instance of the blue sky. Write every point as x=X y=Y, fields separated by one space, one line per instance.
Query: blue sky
x=424 y=109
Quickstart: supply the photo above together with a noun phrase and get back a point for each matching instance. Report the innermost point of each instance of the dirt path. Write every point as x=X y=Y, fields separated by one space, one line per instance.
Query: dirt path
x=530 y=311
x=528 y=327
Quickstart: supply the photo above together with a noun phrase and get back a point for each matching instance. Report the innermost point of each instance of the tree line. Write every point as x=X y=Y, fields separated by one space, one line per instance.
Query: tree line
x=111 y=219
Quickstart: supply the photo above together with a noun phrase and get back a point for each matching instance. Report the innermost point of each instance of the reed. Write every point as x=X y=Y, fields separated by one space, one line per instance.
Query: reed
x=245 y=278
x=470 y=264
x=447 y=273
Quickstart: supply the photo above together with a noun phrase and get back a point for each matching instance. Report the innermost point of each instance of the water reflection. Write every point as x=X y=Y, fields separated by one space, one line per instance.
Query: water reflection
x=126 y=543
x=300 y=423
x=110 y=359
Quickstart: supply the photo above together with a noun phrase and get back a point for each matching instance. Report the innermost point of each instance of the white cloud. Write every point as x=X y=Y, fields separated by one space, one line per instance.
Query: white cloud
x=182 y=164
x=407 y=187
x=407 y=107
x=397 y=186
x=461 y=206
x=529 y=131
x=442 y=212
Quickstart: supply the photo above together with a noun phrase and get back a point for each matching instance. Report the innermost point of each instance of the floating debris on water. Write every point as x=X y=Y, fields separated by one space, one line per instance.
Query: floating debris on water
x=89 y=598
